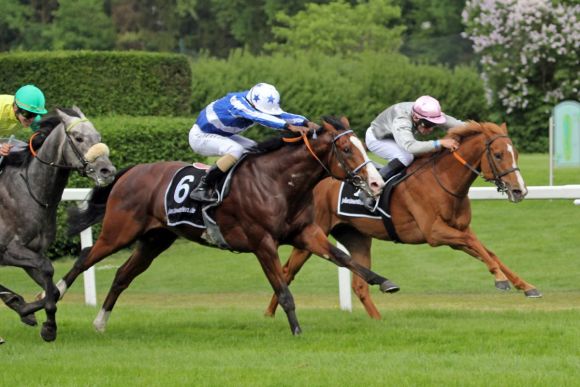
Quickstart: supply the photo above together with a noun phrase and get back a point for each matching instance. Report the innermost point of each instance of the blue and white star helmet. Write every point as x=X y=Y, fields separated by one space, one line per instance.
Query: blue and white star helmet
x=265 y=98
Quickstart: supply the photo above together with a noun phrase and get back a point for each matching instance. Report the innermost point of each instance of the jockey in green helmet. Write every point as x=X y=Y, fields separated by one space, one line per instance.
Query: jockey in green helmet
x=24 y=109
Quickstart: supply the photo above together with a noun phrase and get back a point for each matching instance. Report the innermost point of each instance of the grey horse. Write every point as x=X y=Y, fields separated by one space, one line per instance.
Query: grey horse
x=31 y=187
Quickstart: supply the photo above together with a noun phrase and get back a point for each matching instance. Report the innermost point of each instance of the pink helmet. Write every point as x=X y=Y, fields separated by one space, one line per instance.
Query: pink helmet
x=428 y=108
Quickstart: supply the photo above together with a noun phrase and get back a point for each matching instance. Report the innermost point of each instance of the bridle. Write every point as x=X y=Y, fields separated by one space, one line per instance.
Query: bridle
x=352 y=176
x=84 y=169
x=497 y=174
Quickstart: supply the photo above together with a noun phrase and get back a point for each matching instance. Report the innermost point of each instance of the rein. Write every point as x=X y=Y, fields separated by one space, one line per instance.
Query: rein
x=351 y=176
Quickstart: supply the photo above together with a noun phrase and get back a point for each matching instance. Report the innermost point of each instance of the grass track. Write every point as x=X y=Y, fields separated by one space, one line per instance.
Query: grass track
x=195 y=317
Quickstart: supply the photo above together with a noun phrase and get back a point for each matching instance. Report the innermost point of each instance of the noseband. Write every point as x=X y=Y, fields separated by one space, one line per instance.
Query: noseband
x=352 y=176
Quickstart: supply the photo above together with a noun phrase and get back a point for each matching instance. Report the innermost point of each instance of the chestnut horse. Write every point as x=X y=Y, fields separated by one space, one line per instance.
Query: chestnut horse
x=268 y=205
x=429 y=206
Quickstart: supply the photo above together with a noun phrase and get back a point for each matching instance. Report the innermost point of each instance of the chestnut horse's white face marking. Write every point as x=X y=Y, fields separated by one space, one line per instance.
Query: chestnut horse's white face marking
x=375 y=181
x=519 y=176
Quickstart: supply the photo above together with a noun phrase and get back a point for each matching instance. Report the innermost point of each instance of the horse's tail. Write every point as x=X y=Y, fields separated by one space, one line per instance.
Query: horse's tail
x=80 y=219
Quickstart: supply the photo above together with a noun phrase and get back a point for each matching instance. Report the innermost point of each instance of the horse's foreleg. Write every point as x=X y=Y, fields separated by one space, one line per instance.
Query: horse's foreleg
x=295 y=262
x=147 y=249
x=16 y=302
x=359 y=247
x=529 y=289
x=267 y=254
x=21 y=256
x=468 y=242
x=314 y=240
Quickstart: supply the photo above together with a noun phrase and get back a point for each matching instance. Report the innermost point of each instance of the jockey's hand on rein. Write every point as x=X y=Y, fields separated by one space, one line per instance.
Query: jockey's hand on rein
x=449 y=143
x=297 y=129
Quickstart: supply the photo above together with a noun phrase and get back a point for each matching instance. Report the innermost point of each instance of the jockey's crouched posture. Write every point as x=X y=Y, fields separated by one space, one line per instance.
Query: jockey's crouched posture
x=216 y=131
x=392 y=135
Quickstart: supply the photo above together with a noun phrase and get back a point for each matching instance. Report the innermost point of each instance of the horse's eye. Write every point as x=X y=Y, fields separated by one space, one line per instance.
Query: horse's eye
x=346 y=149
x=79 y=139
x=497 y=156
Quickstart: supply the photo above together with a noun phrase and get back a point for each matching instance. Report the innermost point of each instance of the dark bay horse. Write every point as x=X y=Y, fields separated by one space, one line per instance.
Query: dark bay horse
x=430 y=206
x=268 y=205
x=31 y=187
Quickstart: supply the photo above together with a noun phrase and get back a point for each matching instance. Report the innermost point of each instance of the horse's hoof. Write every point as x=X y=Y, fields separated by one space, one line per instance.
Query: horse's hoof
x=48 y=331
x=502 y=285
x=29 y=319
x=389 y=287
x=2 y=341
x=297 y=331
x=533 y=293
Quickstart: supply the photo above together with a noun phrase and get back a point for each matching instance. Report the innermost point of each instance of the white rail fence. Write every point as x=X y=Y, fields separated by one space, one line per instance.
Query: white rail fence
x=475 y=193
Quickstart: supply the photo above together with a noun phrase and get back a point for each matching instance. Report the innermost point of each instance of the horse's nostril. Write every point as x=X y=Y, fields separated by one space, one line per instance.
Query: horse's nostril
x=107 y=172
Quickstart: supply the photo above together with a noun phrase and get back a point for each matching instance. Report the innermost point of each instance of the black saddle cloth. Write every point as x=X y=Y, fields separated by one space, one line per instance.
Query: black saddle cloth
x=179 y=207
x=350 y=204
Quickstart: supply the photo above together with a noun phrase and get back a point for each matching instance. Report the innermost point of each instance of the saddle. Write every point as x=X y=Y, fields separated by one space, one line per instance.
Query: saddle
x=181 y=209
x=351 y=204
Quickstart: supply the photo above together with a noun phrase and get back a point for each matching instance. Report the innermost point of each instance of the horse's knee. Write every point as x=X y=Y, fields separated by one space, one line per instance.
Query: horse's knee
x=46 y=268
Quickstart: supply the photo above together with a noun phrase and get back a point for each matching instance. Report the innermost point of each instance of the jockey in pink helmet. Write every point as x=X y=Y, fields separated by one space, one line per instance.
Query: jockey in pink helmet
x=392 y=134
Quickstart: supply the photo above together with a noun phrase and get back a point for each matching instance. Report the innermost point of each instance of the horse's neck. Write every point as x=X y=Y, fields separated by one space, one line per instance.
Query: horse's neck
x=298 y=175
x=45 y=181
x=458 y=176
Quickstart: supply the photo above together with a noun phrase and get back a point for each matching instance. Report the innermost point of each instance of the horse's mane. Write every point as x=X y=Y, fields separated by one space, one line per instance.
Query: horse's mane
x=472 y=127
x=273 y=143
x=46 y=125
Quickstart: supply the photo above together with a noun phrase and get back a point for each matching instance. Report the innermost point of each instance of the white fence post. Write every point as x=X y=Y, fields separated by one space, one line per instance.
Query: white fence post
x=344 y=284
x=89 y=275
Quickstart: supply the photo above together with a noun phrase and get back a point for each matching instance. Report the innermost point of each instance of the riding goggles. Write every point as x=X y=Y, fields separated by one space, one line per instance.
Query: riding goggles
x=26 y=114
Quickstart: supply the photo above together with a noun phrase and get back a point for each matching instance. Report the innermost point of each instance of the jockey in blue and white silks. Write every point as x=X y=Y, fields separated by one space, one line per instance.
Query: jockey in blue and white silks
x=216 y=131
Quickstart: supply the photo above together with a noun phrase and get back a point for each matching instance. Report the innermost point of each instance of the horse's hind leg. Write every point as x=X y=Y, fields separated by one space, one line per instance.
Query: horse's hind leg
x=148 y=247
x=295 y=262
x=114 y=236
x=16 y=302
x=359 y=247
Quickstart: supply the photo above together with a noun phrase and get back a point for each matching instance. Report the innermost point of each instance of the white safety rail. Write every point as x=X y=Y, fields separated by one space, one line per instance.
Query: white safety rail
x=475 y=193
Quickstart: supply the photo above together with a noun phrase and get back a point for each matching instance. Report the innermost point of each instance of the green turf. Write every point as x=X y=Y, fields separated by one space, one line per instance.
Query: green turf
x=195 y=317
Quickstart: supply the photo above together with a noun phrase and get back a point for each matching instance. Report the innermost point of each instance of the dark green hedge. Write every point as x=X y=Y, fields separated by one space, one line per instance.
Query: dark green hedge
x=359 y=87
x=129 y=83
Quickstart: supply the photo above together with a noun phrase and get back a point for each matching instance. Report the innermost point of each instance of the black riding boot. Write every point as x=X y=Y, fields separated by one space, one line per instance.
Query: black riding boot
x=391 y=169
x=204 y=192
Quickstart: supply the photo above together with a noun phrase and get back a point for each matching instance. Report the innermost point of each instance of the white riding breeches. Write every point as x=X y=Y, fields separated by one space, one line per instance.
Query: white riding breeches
x=209 y=144
x=387 y=148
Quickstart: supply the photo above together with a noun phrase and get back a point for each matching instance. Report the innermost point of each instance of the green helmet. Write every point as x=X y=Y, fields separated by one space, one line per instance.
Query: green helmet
x=30 y=98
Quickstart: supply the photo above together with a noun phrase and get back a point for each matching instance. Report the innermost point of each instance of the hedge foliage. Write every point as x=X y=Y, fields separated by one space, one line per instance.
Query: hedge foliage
x=129 y=83
x=359 y=87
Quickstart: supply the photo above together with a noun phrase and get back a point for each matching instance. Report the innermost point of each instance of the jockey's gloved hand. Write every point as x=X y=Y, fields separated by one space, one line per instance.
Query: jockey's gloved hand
x=297 y=129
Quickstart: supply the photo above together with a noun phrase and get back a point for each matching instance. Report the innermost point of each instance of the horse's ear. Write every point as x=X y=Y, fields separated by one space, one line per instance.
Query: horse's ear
x=503 y=127
x=345 y=122
x=63 y=116
x=327 y=126
x=77 y=110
